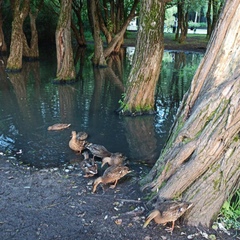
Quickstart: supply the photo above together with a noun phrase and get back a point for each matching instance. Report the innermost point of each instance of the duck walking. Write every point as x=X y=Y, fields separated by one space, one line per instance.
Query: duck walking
x=115 y=159
x=98 y=150
x=111 y=175
x=168 y=211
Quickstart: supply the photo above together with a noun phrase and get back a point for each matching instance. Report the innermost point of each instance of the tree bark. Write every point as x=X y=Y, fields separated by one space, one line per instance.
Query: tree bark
x=14 y=62
x=98 y=58
x=65 y=61
x=140 y=93
x=78 y=30
x=32 y=51
x=3 y=46
x=201 y=159
x=182 y=21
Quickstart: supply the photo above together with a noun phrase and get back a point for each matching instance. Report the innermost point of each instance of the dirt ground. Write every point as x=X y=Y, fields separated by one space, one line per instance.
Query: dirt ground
x=57 y=203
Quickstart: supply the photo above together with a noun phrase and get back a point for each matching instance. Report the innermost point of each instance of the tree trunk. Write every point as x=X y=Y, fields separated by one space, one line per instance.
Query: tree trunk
x=78 y=31
x=65 y=62
x=3 y=46
x=140 y=92
x=182 y=21
x=98 y=58
x=31 y=51
x=14 y=62
x=201 y=159
x=208 y=16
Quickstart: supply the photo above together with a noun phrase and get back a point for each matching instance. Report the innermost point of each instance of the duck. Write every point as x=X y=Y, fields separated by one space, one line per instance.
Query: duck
x=82 y=136
x=75 y=144
x=115 y=159
x=88 y=165
x=58 y=126
x=168 y=211
x=111 y=175
x=98 y=150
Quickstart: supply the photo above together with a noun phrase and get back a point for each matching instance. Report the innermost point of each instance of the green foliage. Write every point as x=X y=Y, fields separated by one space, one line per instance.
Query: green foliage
x=230 y=212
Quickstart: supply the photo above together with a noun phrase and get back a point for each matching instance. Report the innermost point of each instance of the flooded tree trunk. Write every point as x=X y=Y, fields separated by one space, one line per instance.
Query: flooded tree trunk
x=31 y=51
x=201 y=159
x=14 y=62
x=140 y=93
x=65 y=62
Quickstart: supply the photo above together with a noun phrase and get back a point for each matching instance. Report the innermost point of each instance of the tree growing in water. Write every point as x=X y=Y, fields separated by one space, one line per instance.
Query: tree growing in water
x=65 y=62
x=140 y=93
x=200 y=162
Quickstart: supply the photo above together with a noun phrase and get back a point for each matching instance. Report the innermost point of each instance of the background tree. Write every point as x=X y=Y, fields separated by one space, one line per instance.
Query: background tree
x=31 y=50
x=20 y=11
x=200 y=162
x=3 y=46
x=212 y=15
x=77 y=28
x=140 y=93
x=65 y=61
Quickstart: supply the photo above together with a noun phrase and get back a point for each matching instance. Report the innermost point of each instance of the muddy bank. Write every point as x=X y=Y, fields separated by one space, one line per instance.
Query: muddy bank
x=58 y=204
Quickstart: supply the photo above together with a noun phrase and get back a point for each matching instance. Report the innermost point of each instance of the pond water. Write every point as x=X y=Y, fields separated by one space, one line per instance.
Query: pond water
x=30 y=102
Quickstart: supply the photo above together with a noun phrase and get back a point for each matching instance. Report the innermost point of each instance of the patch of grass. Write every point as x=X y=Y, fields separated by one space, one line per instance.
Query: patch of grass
x=230 y=212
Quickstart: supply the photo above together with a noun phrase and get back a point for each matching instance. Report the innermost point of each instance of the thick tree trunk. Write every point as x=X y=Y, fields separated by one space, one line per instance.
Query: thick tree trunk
x=14 y=62
x=65 y=62
x=140 y=92
x=201 y=159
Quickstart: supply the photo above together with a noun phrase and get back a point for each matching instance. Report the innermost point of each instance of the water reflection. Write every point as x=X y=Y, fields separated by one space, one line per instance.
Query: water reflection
x=30 y=103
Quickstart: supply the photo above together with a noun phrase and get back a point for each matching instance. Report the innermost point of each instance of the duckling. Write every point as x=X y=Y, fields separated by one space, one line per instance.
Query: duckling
x=75 y=144
x=98 y=150
x=168 y=211
x=115 y=159
x=111 y=174
x=58 y=126
x=88 y=165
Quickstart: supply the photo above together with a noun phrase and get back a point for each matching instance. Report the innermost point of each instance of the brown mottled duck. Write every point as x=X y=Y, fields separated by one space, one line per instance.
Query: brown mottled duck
x=111 y=175
x=115 y=159
x=98 y=150
x=168 y=211
x=88 y=165
x=76 y=144
x=58 y=126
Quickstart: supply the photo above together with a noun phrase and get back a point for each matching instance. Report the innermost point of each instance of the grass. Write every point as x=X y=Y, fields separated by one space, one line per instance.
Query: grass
x=230 y=212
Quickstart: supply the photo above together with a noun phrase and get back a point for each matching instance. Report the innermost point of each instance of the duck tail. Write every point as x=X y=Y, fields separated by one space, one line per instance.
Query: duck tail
x=150 y=217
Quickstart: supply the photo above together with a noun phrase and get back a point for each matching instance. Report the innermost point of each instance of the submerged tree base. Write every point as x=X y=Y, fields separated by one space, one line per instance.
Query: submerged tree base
x=64 y=81
x=123 y=112
x=13 y=70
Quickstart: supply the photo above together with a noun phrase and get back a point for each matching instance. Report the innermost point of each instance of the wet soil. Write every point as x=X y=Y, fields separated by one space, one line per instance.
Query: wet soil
x=57 y=203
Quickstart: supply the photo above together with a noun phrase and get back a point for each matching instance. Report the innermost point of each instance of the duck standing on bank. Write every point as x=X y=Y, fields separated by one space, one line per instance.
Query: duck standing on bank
x=111 y=175
x=167 y=211
x=88 y=165
x=98 y=150
x=115 y=159
x=77 y=142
